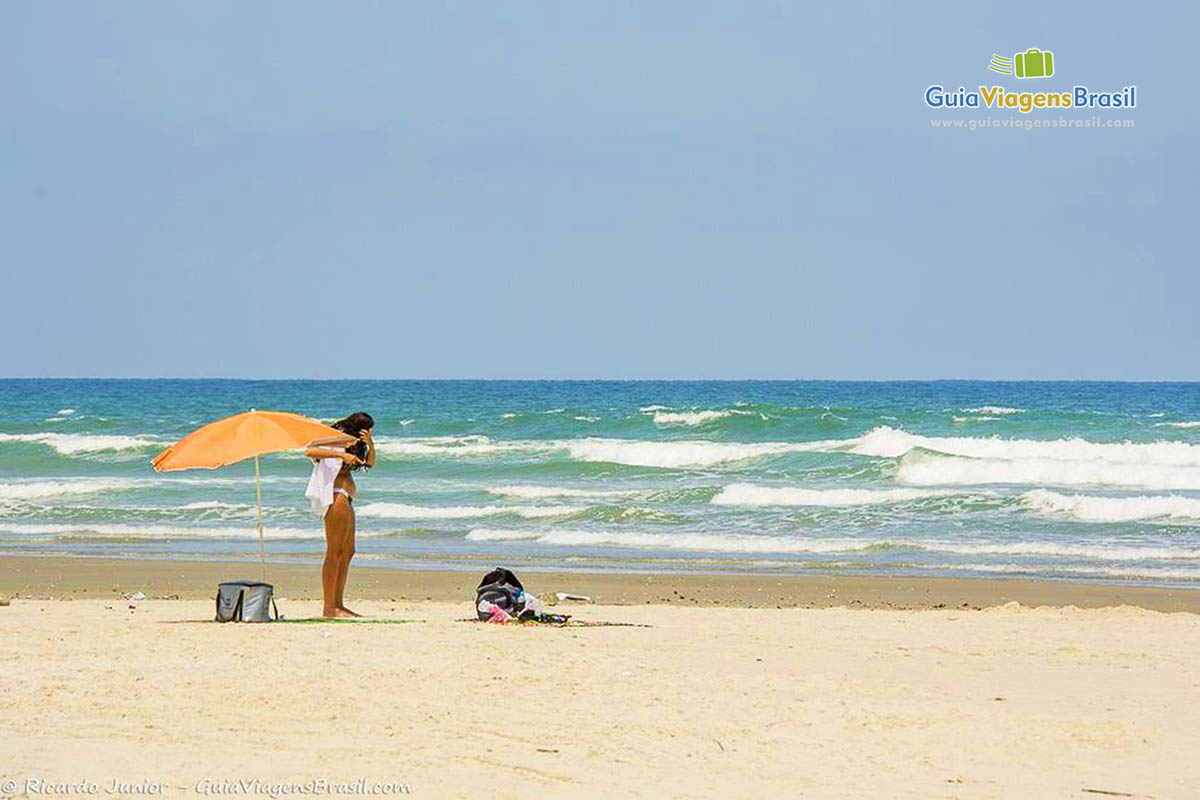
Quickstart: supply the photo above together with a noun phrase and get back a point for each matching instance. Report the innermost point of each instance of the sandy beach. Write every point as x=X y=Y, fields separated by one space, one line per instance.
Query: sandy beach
x=681 y=700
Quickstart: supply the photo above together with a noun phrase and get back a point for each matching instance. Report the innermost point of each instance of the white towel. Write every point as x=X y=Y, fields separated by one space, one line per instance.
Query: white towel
x=320 y=485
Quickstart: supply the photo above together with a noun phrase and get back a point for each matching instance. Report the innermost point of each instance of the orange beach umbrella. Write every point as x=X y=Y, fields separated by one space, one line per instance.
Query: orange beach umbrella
x=243 y=436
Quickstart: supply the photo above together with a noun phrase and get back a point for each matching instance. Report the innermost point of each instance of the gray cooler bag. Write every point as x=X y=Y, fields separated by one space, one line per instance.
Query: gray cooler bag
x=245 y=601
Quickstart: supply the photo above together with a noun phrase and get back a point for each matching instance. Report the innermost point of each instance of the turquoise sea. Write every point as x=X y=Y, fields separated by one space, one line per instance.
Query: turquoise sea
x=1089 y=481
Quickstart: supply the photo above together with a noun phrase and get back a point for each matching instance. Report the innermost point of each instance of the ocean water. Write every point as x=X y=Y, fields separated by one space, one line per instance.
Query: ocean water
x=1087 y=481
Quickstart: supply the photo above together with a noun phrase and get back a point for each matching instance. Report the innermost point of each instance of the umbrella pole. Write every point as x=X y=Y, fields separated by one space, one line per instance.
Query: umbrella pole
x=262 y=552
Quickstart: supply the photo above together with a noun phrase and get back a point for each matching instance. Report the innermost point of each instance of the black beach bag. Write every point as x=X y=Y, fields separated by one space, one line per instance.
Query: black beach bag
x=246 y=601
x=500 y=587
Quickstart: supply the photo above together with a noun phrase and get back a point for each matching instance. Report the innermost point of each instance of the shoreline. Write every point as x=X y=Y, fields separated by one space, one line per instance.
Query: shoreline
x=82 y=577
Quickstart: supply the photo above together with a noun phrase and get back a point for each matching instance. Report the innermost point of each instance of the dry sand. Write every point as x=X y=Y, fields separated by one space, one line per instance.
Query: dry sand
x=706 y=702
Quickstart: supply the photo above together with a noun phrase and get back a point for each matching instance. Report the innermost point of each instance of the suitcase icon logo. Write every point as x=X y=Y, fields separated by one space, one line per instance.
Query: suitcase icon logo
x=1033 y=63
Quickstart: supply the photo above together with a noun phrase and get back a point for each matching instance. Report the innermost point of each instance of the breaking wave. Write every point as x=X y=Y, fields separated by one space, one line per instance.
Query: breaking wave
x=35 y=490
x=745 y=543
x=70 y=444
x=1086 y=508
x=456 y=446
x=680 y=454
x=886 y=442
x=724 y=543
x=692 y=418
x=159 y=532
x=404 y=511
x=745 y=494
x=933 y=470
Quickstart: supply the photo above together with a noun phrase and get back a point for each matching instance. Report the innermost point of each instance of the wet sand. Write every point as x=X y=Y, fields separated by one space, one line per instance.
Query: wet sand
x=83 y=578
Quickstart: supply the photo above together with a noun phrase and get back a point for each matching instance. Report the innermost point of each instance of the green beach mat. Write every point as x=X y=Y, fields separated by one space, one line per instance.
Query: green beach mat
x=305 y=621
x=323 y=621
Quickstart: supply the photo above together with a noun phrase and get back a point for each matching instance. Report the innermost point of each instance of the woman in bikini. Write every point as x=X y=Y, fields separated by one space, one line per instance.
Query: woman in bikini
x=331 y=491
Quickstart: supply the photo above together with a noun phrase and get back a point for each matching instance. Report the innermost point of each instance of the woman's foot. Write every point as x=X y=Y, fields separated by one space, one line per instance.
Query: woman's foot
x=348 y=612
x=339 y=613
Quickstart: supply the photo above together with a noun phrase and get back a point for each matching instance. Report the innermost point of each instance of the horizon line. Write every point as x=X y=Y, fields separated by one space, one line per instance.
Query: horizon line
x=589 y=380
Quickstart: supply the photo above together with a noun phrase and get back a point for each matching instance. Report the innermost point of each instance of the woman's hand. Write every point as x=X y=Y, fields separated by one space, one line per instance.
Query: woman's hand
x=351 y=460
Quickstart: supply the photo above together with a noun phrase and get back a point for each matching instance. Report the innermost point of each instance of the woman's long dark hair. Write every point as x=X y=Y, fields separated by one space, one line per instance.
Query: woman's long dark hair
x=354 y=425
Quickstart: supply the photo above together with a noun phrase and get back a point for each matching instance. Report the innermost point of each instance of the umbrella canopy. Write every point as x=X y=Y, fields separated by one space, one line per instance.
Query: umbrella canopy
x=243 y=436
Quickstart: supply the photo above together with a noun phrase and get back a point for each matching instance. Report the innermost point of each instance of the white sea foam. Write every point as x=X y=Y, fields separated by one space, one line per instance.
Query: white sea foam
x=1087 y=508
x=542 y=492
x=933 y=470
x=1158 y=465
x=678 y=454
x=583 y=418
x=881 y=442
x=33 y=490
x=745 y=543
x=722 y=543
x=1191 y=424
x=404 y=511
x=69 y=444
x=1132 y=572
x=405 y=422
x=691 y=418
x=1097 y=552
x=632 y=452
x=203 y=505
x=65 y=412
x=994 y=410
x=964 y=420
x=456 y=446
x=164 y=532
x=37 y=489
x=212 y=480
x=647 y=409
x=886 y=442
x=745 y=494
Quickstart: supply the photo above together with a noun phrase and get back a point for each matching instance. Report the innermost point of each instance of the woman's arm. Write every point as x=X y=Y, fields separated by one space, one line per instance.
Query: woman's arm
x=325 y=452
x=370 y=440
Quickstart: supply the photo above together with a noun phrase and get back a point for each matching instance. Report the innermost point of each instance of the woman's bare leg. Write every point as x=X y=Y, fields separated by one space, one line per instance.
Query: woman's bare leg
x=339 y=537
x=347 y=553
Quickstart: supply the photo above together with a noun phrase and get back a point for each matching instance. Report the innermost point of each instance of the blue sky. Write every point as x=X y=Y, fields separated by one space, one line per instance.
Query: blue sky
x=569 y=190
